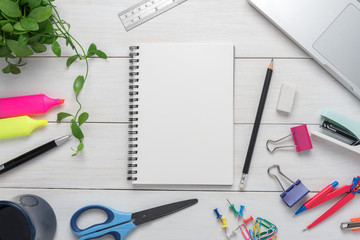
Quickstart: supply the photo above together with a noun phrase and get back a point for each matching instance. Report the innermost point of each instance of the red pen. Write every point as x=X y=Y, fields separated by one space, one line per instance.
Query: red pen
x=332 y=210
x=310 y=203
x=349 y=190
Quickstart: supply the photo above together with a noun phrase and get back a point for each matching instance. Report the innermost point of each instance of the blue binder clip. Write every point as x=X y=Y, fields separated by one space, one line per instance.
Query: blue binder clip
x=294 y=193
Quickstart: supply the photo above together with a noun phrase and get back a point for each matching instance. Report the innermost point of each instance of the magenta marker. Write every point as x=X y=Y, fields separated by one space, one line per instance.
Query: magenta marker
x=27 y=105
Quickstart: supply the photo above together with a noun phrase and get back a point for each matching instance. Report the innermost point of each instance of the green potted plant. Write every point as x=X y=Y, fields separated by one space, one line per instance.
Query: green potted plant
x=31 y=26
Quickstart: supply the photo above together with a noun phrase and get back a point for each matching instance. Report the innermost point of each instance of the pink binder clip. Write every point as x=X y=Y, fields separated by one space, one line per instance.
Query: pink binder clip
x=301 y=138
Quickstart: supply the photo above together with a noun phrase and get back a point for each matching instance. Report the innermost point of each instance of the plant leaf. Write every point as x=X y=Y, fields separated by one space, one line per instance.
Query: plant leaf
x=34 y=3
x=4 y=51
x=3 y=22
x=10 y=8
x=7 y=69
x=14 y=69
x=69 y=41
x=19 y=32
x=29 y=24
x=78 y=84
x=38 y=47
x=48 y=40
x=83 y=118
x=34 y=38
x=71 y=59
x=41 y=14
x=23 y=39
x=23 y=2
x=49 y=27
x=80 y=146
x=45 y=2
x=11 y=19
x=101 y=54
x=18 y=27
x=7 y=28
x=20 y=51
x=76 y=131
x=62 y=115
x=91 y=50
x=55 y=46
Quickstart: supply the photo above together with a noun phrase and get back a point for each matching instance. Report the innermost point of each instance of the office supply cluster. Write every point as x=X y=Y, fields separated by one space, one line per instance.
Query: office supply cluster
x=181 y=133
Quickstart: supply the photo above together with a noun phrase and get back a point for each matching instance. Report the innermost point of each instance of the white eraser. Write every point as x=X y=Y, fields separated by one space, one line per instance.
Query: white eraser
x=286 y=98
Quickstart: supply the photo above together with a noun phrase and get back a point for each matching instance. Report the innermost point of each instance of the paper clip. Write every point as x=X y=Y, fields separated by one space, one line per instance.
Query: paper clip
x=245 y=232
x=300 y=136
x=294 y=193
x=271 y=231
x=257 y=231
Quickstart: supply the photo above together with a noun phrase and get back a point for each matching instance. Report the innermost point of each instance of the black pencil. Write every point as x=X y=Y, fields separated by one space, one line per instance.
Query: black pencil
x=256 y=125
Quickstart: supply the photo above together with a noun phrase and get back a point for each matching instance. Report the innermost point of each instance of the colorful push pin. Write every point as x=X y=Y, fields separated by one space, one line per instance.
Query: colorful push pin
x=248 y=220
x=225 y=226
x=241 y=212
x=218 y=215
x=232 y=234
x=232 y=208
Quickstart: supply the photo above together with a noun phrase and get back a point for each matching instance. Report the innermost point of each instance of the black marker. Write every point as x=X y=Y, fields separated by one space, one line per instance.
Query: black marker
x=32 y=154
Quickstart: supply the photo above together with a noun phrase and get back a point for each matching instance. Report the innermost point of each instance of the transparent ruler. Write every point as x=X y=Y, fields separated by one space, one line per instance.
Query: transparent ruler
x=144 y=11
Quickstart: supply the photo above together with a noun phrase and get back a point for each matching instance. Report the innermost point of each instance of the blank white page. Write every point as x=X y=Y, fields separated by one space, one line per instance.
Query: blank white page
x=185 y=126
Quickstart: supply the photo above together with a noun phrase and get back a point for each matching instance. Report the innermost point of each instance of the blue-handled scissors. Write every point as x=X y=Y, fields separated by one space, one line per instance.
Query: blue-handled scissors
x=119 y=224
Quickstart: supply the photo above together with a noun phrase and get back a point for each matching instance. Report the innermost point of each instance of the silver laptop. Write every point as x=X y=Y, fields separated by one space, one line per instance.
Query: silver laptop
x=328 y=30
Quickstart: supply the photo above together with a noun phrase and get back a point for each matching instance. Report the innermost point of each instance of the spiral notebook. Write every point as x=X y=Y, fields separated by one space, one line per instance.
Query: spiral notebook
x=181 y=114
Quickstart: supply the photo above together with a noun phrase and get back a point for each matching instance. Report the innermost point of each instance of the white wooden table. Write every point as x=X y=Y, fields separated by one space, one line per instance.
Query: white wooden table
x=97 y=175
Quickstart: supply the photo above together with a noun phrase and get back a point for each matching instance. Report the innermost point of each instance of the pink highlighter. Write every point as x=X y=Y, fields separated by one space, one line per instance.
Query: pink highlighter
x=27 y=105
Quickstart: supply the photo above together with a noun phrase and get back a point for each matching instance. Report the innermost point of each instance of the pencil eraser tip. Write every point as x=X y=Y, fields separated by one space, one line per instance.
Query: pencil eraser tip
x=242 y=186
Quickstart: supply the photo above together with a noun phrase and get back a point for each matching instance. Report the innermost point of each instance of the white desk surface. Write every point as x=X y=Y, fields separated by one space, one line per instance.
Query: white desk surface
x=97 y=175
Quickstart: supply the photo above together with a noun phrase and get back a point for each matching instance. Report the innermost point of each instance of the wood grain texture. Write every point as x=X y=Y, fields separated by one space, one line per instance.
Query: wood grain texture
x=195 y=222
x=193 y=21
x=106 y=91
x=102 y=165
x=98 y=174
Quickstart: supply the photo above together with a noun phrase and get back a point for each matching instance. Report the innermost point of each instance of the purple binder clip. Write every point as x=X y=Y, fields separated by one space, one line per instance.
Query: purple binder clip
x=294 y=193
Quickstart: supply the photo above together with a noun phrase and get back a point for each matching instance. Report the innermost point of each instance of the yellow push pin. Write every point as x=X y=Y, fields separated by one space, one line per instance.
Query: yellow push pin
x=224 y=225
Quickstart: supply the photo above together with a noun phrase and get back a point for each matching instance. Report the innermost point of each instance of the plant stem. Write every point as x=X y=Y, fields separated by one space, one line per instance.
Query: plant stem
x=66 y=34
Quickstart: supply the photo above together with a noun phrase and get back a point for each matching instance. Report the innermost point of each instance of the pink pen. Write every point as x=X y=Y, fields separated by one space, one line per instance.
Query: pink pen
x=27 y=105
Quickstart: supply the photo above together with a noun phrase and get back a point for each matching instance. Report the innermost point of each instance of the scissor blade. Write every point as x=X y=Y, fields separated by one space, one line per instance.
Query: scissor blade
x=161 y=211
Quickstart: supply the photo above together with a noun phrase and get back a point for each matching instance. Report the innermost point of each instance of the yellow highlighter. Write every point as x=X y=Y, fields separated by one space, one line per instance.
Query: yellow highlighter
x=19 y=126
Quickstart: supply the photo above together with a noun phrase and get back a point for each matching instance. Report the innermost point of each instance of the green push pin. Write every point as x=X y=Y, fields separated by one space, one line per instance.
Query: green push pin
x=232 y=207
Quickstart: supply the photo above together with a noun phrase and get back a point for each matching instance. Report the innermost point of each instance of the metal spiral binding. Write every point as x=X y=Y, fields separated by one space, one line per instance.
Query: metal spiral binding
x=133 y=113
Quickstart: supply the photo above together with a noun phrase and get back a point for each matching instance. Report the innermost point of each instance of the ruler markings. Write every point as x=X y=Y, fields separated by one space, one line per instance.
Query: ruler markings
x=144 y=11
